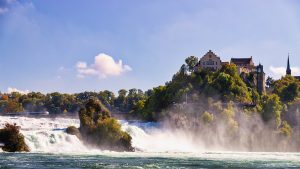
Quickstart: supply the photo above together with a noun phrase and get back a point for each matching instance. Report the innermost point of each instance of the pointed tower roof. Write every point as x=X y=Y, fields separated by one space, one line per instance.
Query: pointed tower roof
x=288 y=69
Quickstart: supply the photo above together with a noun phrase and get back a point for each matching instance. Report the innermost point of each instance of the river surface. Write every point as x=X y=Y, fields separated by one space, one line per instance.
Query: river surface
x=51 y=147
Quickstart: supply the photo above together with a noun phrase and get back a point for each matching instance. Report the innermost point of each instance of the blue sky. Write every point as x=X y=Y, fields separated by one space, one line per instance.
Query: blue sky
x=76 y=45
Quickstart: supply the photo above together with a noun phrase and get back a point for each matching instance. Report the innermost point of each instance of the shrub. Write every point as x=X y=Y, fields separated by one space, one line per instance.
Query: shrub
x=286 y=130
x=207 y=117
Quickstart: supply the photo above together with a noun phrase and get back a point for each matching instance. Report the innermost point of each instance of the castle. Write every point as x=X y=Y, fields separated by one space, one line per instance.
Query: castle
x=244 y=65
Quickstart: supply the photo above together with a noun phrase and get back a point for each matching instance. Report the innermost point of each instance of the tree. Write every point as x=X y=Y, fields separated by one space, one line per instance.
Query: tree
x=290 y=92
x=121 y=101
x=270 y=82
x=191 y=62
x=287 y=88
x=271 y=109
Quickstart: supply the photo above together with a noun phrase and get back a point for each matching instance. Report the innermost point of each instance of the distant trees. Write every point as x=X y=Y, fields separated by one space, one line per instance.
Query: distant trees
x=58 y=103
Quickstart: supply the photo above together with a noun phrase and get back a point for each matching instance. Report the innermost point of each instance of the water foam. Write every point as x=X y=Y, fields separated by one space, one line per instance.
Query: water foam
x=48 y=135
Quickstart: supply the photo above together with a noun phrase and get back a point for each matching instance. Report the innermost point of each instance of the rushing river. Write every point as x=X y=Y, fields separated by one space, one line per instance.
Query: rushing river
x=51 y=147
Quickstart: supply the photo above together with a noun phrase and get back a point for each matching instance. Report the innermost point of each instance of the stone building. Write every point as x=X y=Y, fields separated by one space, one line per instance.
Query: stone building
x=260 y=79
x=210 y=61
x=245 y=65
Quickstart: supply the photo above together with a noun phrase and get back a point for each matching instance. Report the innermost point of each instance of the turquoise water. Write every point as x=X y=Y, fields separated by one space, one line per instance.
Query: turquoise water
x=120 y=160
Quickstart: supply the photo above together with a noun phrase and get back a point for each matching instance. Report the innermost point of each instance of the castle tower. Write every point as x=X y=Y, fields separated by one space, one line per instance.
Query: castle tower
x=288 y=69
x=261 y=79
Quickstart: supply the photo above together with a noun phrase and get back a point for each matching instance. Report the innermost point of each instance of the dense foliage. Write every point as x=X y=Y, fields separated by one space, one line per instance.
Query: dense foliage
x=225 y=85
x=12 y=139
x=58 y=103
x=97 y=128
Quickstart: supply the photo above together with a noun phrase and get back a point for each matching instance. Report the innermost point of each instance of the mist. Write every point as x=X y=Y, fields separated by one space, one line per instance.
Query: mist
x=230 y=129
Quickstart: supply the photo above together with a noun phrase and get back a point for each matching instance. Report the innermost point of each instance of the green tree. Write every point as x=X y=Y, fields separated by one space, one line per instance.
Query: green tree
x=272 y=108
x=191 y=62
x=270 y=82
x=287 y=88
x=290 y=92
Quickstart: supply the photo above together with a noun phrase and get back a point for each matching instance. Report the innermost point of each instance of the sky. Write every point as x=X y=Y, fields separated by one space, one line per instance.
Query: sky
x=76 y=45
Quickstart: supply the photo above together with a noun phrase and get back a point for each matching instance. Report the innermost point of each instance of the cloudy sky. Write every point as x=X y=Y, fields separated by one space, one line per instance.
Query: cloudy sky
x=77 y=45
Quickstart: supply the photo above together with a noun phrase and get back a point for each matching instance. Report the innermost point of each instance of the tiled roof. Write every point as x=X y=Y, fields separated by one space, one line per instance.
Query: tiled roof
x=241 y=60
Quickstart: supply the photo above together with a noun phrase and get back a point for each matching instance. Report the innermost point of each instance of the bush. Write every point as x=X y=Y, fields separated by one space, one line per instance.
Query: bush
x=12 y=139
x=286 y=130
x=207 y=117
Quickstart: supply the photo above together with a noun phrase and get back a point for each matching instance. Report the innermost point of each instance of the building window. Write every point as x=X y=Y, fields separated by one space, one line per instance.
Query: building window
x=210 y=62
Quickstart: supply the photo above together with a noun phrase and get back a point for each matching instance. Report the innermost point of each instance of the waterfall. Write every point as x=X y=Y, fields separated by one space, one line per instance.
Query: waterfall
x=48 y=135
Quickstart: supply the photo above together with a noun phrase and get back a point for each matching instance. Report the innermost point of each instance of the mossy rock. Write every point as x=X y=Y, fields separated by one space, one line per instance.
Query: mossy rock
x=98 y=129
x=72 y=130
x=12 y=139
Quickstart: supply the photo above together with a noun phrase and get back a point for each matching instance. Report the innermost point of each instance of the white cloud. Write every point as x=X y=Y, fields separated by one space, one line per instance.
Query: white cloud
x=103 y=66
x=11 y=90
x=278 y=72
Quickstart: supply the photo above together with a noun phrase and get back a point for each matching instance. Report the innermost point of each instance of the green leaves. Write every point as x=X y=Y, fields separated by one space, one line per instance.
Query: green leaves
x=287 y=88
x=99 y=129
x=272 y=108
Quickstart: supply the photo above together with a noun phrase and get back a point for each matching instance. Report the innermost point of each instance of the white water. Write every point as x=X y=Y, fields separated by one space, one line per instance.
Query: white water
x=48 y=135
x=45 y=135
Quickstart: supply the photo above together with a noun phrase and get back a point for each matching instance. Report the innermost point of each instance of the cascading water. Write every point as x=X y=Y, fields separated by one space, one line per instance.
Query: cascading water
x=48 y=135
x=52 y=147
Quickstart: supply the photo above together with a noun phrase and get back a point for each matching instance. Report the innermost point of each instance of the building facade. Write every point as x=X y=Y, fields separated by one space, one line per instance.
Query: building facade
x=210 y=61
x=244 y=65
